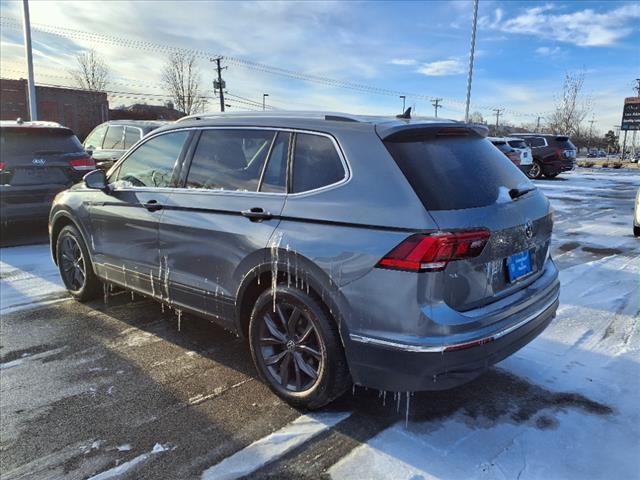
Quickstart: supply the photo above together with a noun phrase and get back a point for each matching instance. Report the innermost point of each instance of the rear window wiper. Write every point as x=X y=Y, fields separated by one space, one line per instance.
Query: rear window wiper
x=520 y=191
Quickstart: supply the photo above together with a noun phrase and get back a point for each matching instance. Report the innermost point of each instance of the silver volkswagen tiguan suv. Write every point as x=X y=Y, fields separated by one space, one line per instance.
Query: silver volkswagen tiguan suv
x=399 y=254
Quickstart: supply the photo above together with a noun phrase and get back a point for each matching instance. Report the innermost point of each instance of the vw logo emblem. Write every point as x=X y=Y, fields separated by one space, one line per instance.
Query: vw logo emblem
x=528 y=229
x=38 y=161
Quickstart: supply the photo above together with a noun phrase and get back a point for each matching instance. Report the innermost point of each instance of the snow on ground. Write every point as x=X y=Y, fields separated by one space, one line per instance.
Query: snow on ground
x=591 y=351
x=28 y=277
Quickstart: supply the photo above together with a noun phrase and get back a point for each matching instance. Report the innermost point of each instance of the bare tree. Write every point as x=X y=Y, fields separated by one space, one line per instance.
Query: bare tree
x=181 y=76
x=92 y=72
x=571 y=107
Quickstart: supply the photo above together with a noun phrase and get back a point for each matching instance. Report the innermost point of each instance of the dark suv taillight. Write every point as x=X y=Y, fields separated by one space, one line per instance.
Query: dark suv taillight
x=432 y=252
x=83 y=164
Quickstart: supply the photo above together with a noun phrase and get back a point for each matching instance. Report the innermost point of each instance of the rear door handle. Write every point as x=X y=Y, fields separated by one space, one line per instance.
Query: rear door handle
x=153 y=206
x=256 y=214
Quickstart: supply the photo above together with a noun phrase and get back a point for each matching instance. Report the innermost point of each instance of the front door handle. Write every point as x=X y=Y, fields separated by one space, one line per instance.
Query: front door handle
x=153 y=206
x=256 y=214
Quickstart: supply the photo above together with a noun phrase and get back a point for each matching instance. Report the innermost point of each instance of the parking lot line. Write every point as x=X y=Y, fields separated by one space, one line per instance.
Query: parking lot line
x=273 y=446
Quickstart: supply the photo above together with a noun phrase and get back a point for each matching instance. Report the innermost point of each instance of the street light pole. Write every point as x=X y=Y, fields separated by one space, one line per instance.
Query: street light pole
x=471 y=54
x=264 y=105
x=33 y=106
x=404 y=98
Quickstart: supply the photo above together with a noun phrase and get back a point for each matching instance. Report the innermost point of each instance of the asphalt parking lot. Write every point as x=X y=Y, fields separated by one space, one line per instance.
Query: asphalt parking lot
x=119 y=388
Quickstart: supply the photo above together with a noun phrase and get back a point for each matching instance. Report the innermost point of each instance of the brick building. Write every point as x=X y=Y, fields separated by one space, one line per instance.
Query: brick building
x=80 y=110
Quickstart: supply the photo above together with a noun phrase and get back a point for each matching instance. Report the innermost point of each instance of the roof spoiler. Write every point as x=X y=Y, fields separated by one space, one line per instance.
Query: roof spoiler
x=421 y=130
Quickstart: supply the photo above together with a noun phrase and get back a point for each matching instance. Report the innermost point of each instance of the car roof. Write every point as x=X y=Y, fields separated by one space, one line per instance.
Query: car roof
x=16 y=125
x=503 y=139
x=553 y=135
x=331 y=122
x=138 y=123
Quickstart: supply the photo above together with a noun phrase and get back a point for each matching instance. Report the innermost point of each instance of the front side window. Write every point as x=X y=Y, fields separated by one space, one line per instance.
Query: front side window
x=229 y=159
x=114 y=139
x=94 y=140
x=316 y=163
x=131 y=136
x=153 y=162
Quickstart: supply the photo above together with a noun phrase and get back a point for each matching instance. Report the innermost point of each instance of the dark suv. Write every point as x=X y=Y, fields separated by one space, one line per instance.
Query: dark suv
x=37 y=160
x=552 y=154
x=398 y=254
x=108 y=141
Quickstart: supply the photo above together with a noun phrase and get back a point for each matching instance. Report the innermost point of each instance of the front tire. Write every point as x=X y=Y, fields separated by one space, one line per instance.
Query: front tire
x=536 y=171
x=296 y=348
x=75 y=265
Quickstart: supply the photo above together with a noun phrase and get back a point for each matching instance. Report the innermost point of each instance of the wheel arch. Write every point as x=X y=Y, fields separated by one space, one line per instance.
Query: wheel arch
x=60 y=220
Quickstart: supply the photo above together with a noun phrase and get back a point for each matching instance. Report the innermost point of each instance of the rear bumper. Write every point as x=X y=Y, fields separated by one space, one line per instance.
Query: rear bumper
x=389 y=364
x=558 y=166
x=26 y=203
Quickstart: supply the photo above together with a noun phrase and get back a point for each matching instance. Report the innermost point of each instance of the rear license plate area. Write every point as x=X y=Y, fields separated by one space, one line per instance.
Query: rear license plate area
x=519 y=265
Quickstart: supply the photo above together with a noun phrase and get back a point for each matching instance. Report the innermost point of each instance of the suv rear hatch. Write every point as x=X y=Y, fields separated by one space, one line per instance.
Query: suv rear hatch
x=41 y=156
x=565 y=150
x=466 y=184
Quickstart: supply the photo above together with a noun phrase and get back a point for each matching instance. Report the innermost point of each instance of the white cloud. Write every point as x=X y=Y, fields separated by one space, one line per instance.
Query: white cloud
x=441 y=68
x=403 y=61
x=548 y=51
x=584 y=28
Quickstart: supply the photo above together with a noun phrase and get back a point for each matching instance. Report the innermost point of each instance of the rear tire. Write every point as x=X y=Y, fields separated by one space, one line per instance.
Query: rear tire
x=551 y=175
x=75 y=265
x=536 y=171
x=636 y=231
x=296 y=349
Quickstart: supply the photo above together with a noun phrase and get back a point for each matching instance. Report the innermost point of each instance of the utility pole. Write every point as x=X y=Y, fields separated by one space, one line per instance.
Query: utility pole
x=471 y=53
x=33 y=106
x=219 y=84
x=498 y=112
x=436 y=104
x=637 y=87
x=404 y=98
x=538 y=124
x=264 y=105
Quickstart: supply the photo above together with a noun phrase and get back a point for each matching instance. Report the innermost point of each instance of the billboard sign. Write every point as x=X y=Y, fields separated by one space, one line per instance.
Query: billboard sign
x=631 y=114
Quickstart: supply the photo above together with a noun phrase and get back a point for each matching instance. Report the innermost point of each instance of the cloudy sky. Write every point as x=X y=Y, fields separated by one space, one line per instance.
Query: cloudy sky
x=350 y=56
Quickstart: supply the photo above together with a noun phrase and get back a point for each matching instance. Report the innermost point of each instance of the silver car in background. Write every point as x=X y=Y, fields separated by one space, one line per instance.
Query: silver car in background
x=392 y=253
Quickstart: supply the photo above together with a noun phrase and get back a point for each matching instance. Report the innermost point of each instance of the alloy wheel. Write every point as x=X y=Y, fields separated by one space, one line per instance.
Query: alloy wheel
x=72 y=264
x=290 y=348
x=535 y=171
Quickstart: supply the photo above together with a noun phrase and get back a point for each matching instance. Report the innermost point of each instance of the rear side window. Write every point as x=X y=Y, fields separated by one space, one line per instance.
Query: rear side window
x=517 y=143
x=229 y=159
x=316 y=163
x=114 y=138
x=152 y=163
x=275 y=174
x=131 y=136
x=534 y=142
x=502 y=146
x=30 y=141
x=451 y=173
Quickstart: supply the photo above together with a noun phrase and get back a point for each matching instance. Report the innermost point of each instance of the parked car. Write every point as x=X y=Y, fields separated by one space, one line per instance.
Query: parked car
x=636 y=216
x=552 y=154
x=516 y=150
x=37 y=160
x=108 y=141
x=401 y=255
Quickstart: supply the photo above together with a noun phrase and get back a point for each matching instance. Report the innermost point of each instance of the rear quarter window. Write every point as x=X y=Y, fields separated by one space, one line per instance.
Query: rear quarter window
x=316 y=163
x=452 y=173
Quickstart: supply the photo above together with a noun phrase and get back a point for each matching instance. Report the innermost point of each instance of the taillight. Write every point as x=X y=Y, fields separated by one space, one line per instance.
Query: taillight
x=84 y=163
x=432 y=252
x=514 y=157
x=559 y=153
x=1 y=166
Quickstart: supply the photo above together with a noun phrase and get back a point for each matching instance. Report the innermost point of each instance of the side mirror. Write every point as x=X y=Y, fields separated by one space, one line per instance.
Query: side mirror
x=96 y=180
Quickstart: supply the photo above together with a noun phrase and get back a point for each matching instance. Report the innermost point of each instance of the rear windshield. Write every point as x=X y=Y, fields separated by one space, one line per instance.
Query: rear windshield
x=517 y=143
x=42 y=141
x=451 y=173
x=564 y=143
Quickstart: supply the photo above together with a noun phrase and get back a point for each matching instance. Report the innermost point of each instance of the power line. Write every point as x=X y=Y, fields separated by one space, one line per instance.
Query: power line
x=93 y=37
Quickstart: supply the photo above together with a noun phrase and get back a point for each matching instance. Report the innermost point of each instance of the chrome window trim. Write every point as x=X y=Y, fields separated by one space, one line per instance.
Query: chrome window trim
x=125 y=135
x=405 y=347
x=343 y=159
